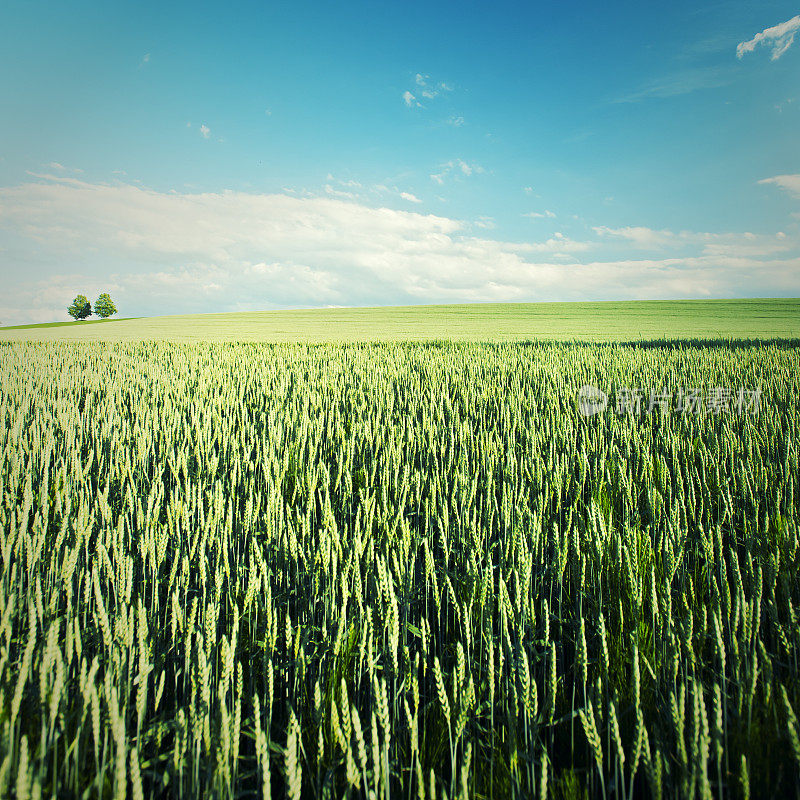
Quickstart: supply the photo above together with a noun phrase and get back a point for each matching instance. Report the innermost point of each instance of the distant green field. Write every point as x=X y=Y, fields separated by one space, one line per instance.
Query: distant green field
x=62 y=324
x=603 y=321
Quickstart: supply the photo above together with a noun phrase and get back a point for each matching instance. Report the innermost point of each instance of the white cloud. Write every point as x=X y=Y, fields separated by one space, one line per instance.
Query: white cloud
x=338 y=192
x=205 y=131
x=145 y=60
x=456 y=165
x=61 y=168
x=355 y=190
x=540 y=214
x=180 y=252
x=779 y=37
x=56 y=178
x=643 y=237
x=679 y=83
x=425 y=88
x=456 y=121
x=789 y=183
x=708 y=244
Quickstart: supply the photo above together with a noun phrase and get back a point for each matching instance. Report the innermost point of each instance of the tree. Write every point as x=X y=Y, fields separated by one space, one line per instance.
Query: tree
x=104 y=306
x=80 y=308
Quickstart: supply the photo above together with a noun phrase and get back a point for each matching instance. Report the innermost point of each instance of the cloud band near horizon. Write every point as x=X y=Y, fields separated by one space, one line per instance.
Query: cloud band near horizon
x=169 y=252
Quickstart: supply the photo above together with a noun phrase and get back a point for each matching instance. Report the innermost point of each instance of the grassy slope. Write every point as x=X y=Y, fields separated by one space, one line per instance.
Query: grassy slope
x=61 y=324
x=608 y=321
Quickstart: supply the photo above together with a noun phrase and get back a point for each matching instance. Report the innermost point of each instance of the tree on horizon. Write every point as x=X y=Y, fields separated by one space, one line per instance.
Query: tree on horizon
x=104 y=306
x=80 y=308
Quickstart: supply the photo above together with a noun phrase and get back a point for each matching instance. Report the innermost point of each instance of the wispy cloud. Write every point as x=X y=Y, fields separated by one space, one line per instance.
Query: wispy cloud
x=145 y=60
x=338 y=192
x=205 y=131
x=425 y=89
x=430 y=89
x=679 y=83
x=455 y=167
x=62 y=169
x=351 y=189
x=540 y=214
x=641 y=236
x=779 y=38
x=732 y=245
x=56 y=178
x=789 y=183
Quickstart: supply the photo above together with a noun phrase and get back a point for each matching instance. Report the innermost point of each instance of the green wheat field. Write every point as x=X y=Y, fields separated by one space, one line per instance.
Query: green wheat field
x=593 y=322
x=386 y=568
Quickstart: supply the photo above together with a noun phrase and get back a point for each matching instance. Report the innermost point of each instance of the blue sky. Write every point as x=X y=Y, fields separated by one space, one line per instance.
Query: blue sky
x=196 y=158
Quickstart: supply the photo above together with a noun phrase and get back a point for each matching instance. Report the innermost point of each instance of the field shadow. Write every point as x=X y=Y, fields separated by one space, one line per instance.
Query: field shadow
x=699 y=343
x=710 y=344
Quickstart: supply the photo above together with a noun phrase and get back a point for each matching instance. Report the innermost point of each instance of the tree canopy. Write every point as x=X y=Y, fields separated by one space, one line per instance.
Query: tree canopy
x=80 y=308
x=104 y=306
